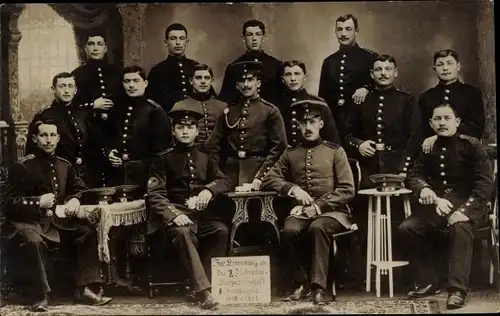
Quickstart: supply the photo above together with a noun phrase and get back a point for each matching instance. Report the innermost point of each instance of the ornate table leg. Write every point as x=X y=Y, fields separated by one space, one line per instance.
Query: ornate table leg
x=268 y=214
x=240 y=217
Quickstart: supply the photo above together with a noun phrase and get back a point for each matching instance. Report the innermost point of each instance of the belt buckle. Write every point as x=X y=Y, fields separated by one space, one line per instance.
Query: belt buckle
x=125 y=157
x=242 y=153
x=380 y=146
x=340 y=102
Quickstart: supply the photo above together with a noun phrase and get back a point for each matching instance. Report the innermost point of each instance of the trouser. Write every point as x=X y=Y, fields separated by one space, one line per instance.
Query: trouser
x=419 y=241
x=33 y=251
x=307 y=245
x=213 y=236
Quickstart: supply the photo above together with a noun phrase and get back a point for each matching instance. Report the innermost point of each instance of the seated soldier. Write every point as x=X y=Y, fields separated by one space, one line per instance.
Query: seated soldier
x=453 y=183
x=317 y=174
x=183 y=182
x=37 y=184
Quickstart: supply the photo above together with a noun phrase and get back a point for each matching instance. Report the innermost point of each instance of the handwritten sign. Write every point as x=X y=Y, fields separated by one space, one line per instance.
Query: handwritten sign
x=241 y=280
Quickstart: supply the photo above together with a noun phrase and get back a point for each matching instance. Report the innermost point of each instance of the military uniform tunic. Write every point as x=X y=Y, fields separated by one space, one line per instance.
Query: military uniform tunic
x=248 y=139
x=464 y=98
x=294 y=136
x=140 y=128
x=211 y=108
x=271 y=78
x=95 y=79
x=168 y=81
x=391 y=118
x=342 y=73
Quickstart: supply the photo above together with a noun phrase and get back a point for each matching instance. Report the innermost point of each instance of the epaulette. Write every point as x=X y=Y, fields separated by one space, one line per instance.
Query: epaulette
x=166 y=151
x=153 y=103
x=471 y=139
x=317 y=97
x=26 y=158
x=292 y=148
x=268 y=103
x=331 y=145
x=369 y=51
x=64 y=160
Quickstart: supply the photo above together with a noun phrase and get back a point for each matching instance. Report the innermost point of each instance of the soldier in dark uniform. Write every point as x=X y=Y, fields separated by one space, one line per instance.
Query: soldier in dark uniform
x=203 y=100
x=345 y=75
x=99 y=89
x=465 y=99
x=294 y=75
x=254 y=32
x=72 y=124
x=169 y=79
x=250 y=137
x=182 y=186
x=37 y=184
x=385 y=130
x=453 y=183
x=139 y=129
x=318 y=176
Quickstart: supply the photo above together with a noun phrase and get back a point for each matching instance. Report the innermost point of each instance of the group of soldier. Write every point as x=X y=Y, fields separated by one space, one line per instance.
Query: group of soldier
x=170 y=134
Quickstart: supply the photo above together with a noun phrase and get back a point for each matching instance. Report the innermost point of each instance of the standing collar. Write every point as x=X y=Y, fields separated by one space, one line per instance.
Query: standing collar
x=312 y=144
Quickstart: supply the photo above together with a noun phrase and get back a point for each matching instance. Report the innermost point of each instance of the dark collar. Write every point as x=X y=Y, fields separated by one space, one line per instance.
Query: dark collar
x=346 y=49
x=254 y=54
x=447 y=141
x=385 y=91
x=58 y=104
x=450 y=86
x=96 y=62
x=180 y=147
x=302 y=93
x=42 y=155
x=312 y=144
x=176 y=58
x=201 y=96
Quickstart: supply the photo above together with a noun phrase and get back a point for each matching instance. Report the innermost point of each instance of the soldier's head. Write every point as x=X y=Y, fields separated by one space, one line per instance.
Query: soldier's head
x=46 y=137
x=95 y=46
x=134 y=81
x=176 y=39
x=248 y=79
x=254 y=32
x=202 y=78
x=384 y=71
x=346 y=29
x=294 y=74
x=310 y=116
x=446 y=65
x=444 y=120
x=185 y=125
x=64 y=87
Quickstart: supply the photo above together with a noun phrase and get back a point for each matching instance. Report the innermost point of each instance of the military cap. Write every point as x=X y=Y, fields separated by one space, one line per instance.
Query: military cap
x=185 y=114
x=310 y=108
x=387 y=181
x=243 y=68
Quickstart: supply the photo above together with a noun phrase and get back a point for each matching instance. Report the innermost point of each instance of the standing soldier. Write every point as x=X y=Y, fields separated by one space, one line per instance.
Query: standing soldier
x=465 y=99
x=139 y=129
x=37 y=184
x=318 y=176
x=250 y=137
x=72 y=123
x=182 y=186
x=385 y=130
x=294 y=75
x=453 y=183
x=254 y=32
x=345 y=75
x=99 y=90
x=204 y=101
x=169 y=79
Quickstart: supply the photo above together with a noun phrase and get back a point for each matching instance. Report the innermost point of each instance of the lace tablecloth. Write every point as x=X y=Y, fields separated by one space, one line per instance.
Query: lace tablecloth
x=116 y=214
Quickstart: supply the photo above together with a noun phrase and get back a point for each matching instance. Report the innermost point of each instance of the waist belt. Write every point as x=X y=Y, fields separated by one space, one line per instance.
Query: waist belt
x=242 y=154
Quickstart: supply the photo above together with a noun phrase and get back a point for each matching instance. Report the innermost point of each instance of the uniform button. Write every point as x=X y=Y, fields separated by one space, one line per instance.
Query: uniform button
x=181 y=71
x=294 y=120
x=102 y=87
x=180 y=64
x=241 y=138
x=379 y=126
x=381 y=97
x=379 y=118
x=441 y=165
x=125 y=128
x=242 y=132
x=407 y=164
x=124 y=141
x=443 y=149
x=342 y=61
x=130 y=108
x=446 y=98
x=341 y=74
x=408 y=158
x=445 y=182
x=206 y=115
x=129 y=114
x=309 y=151
x=294 y=113
x=183 y=77
x=309 y=164
x=309 y=178
x=294 y=99
x=256 y=59
x=309 y=157
x=309 y=171
x=124 y=135
x=103 y=94
x=184 y=82
x=344 y=56
x=101 y=81
x=190 y=161
x=471 y=200
x=379 y=133
x=192 y=176
x=442 y=174
x=447 y=91
x=442 y=157
x=191 y=167
x=126 y=121
x=241 y=146
x=98 y=69
x=25 y=202
x=405 y=169
x=293 y=133
x=189 y=155
x=242 y=125
x=100 y=75
x=55 y=178
x=467 y=204
x=341 y=81
x=379 y=140
x=245 y=112
x=294 y=126
x=379 y=111
x=341 y=67
x=341 y=88
x=184 y=89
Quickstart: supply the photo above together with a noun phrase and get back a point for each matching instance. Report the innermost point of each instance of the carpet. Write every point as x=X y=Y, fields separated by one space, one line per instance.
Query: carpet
x=299 y=308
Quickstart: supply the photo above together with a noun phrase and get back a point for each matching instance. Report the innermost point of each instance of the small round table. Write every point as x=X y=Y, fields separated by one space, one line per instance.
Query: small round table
x=379 y=239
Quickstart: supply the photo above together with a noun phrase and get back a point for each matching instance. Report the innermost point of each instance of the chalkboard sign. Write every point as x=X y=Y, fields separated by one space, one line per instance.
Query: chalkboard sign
x=241 y=280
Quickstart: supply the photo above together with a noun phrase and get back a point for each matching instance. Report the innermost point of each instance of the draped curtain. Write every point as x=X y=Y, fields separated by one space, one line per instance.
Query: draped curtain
x=87 y=18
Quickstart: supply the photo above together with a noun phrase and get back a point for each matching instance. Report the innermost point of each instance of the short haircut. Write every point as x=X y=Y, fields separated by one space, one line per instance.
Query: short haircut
x=444 y=105
x=175 y=27
x=95 y=33
x=134 y=69
x=60 y=76
x=253 y=23
x=445 y=53
x=385 y=57
x=44 y=121
x=346 y=17
x=202 y=67
x=291 y=63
